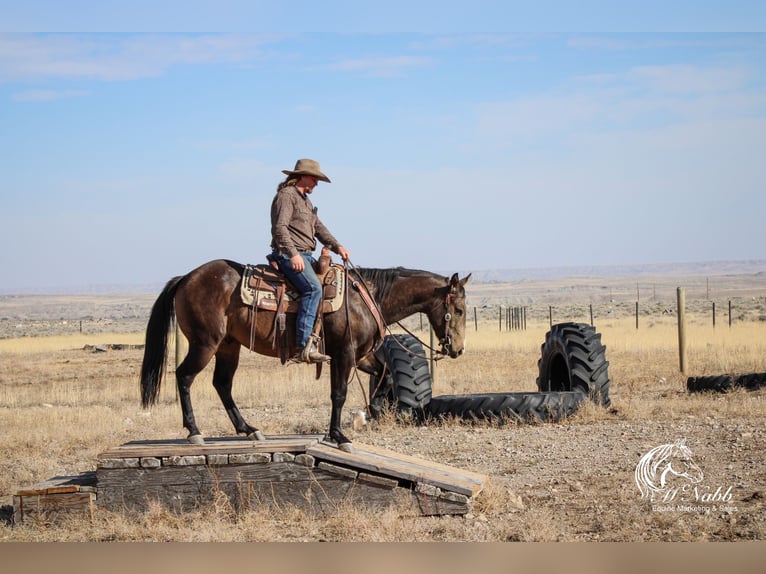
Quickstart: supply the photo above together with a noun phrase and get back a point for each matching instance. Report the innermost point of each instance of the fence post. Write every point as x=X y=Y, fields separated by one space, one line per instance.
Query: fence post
x=636 y=314
x=713 y=314
x=500 y=317
x=681 y=296
x=475 y=320
x=729 y=312
x=591 y=314
x=550 y=315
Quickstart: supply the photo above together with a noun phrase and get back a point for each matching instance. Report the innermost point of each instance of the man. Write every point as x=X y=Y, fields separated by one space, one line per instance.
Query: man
x=295 y=228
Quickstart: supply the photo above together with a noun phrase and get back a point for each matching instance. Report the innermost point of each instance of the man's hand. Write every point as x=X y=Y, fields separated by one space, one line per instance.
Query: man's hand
x=343 y=252
x=297 y=262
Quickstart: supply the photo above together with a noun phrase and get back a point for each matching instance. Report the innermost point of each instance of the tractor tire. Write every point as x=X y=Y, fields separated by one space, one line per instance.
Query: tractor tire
x=574 y=359
x=527 y=407
x=406 y=384
x=724 y=383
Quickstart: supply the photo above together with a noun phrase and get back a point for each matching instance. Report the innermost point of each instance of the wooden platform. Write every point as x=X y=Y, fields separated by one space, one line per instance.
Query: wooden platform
x=61 y=495
x=296 y=470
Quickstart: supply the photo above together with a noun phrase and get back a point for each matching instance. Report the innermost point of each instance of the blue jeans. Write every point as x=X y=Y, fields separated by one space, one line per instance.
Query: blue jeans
x=307 y=283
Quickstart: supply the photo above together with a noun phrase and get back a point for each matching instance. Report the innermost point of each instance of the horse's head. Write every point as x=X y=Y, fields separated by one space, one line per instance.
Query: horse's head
x=448 y=316
x=682 y=464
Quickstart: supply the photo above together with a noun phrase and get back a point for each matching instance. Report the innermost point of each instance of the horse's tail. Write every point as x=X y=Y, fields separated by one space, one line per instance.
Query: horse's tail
x=156 y=347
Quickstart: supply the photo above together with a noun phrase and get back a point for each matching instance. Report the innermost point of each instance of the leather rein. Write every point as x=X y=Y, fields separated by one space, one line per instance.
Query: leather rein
x=361 y=287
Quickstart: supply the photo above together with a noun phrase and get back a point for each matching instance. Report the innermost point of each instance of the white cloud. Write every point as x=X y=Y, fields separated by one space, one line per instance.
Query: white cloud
x=47 y=95
x=381 y=67
x=117 y=57
x=689 y=79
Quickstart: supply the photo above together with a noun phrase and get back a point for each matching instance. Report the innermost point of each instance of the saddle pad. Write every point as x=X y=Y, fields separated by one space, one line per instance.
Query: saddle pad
x=259 y=289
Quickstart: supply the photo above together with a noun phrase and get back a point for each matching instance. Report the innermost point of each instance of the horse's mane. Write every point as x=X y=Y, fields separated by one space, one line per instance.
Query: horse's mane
x=383 y=279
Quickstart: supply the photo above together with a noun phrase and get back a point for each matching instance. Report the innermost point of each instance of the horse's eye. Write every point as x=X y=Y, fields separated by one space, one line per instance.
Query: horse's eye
x=459 y=312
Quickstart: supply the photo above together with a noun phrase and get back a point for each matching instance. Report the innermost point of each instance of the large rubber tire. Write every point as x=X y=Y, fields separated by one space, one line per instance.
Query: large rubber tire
x=724 y=383
x=501 y=407
x=406 y=384
x=574 y=359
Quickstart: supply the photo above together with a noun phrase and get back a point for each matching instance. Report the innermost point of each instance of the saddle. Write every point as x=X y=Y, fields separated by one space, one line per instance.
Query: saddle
x=264 y=287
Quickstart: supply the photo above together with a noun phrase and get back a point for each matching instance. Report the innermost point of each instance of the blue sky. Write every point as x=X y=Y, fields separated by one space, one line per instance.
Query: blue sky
x=130 y=157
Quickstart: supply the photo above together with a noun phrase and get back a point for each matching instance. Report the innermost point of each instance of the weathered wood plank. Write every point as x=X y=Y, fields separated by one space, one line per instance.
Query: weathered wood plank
x=385 y=463
x=477 y=477
x=176 y=447
x=199 y=474
x=246 y=486
x=62 y=484
x=50 y=507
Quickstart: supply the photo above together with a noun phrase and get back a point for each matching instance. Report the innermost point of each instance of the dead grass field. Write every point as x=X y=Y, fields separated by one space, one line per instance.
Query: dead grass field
x=61 y=405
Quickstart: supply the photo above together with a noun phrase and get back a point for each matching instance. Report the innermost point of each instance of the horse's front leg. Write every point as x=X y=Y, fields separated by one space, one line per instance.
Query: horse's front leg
x=339 y=372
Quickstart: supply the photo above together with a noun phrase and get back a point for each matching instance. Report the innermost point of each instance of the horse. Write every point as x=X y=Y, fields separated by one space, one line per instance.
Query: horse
x=209 y=311
x=659 y=465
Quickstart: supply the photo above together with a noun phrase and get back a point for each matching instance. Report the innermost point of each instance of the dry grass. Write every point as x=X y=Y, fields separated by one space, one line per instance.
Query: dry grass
x=61 y=405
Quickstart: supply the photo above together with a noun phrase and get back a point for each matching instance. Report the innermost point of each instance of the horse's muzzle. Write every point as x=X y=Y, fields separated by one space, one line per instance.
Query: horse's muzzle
x=448 y=350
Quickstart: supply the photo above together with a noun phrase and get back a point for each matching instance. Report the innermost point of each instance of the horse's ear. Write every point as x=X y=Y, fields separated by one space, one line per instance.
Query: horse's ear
x=455 y=281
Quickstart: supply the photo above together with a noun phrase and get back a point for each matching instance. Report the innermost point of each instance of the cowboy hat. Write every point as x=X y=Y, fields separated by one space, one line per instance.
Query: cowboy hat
x=307 y=167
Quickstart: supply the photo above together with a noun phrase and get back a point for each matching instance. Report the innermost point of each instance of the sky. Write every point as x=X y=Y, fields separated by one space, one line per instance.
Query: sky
x=471 y=137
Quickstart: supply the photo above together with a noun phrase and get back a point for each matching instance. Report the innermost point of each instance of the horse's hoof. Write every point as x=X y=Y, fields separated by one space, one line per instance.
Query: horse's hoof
x=196 y=439
x=256 y=436
x=346 y=447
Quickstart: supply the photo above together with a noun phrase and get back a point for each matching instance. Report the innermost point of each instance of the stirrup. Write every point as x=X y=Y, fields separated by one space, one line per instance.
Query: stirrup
x=314 y=356
x=310 y=354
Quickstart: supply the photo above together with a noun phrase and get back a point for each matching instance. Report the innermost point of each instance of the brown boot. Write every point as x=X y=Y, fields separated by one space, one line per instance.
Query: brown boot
x=309 y=355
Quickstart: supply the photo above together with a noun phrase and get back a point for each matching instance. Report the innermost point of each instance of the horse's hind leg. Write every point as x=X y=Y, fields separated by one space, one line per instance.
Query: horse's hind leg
x=226 y=362
x=196 y=360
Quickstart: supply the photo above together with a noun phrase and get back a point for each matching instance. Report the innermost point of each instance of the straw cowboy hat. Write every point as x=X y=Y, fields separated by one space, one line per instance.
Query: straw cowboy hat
x=307 y=167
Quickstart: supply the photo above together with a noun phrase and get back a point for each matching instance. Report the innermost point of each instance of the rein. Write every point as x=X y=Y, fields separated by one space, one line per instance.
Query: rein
x=439 y=354
x=376 y=313
x=384 y=328
x=361 y=287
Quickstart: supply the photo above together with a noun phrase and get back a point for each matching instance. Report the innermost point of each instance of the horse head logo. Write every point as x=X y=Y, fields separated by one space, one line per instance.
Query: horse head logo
x=657 y=471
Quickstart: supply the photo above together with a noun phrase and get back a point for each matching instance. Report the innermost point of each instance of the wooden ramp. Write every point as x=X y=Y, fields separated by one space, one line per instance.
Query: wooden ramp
x=297 y=470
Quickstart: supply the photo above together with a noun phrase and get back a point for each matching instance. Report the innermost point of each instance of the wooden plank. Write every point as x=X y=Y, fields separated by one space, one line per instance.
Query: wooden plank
x=50 y=507
x=185 y=487
x=179 y=447
x=445 y=477
x=403 y=466
x=137 y=478
x=475 y=476
x=62 y=484
x=319 y=489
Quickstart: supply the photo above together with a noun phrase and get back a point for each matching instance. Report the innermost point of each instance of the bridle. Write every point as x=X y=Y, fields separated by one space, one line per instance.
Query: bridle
x=448 y=303
x=445 y=342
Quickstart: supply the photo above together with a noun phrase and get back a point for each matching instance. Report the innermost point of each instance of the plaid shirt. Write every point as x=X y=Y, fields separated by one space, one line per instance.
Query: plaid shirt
x=295 y=224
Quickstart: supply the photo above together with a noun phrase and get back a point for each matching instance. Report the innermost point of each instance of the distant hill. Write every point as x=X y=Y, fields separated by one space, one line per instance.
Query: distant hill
x=707 y=268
